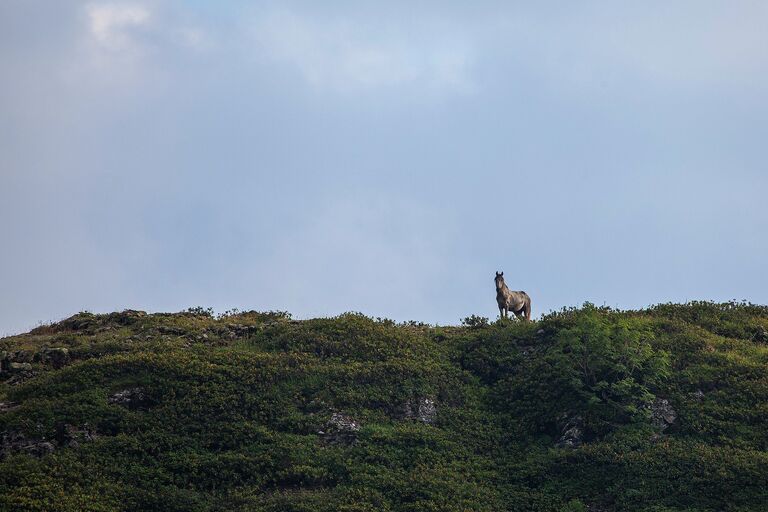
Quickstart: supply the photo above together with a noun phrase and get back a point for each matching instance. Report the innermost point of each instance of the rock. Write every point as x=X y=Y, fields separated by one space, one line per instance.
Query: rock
x=761 y=334
x=7 y=406
x=15 y=442
x=38 y=449
x=167 y=329
x=78 y=322
x=421 y=409
x=571 y=433
x=237 y=330
x=21 y=356
x=340 y=429
x=697 y=395
x=662 y=414
x=19 y=376
x=125 y=317
x=132 y=398
x=18 y=367
x=72 y=436
x=55 y=356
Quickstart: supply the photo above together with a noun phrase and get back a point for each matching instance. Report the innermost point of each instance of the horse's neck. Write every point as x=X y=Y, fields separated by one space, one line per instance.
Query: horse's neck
x=504 y=289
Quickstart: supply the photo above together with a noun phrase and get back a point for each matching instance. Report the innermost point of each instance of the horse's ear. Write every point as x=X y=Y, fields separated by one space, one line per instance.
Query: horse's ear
x=497 y=273
x=502 y=274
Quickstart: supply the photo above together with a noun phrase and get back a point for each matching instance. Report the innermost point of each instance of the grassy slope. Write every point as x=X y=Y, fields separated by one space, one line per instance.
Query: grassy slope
x=234 y=405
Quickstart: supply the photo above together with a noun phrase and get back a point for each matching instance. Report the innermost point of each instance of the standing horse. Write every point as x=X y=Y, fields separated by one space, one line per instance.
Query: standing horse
x=517 y=302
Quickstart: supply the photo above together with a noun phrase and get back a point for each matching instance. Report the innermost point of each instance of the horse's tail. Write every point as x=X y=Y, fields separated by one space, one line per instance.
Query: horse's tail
x=527 y=306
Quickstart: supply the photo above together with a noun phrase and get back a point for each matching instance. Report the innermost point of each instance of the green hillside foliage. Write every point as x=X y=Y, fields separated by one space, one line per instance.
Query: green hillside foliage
x=588 y=409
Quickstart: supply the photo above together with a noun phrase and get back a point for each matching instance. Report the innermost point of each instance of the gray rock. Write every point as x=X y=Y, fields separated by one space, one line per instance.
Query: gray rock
x=571 y=432
x=8 y=406
x=169 y=329
x=422 y=409
x=55 y=356
x=340 y=428
x=40 y=448
x=132 y=398
x=16 y=442
x=21 y=356
x=662 y=413
x=18 y=367
x=72 y=436
x=341 y=422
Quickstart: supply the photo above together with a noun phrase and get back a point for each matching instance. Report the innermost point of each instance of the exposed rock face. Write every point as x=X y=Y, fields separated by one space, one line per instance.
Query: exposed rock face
x=571 y=433
x=55 y=356
x=89 y=323
x=7 y=406
x=15 y=366
x=169 y=329
x=132 y=398
x=66 y=436
x=422 y=409
x=72 y=436
x=662 y=414
x=340 y=429
x=234 y=331
x=16 y=442
x=761 y=334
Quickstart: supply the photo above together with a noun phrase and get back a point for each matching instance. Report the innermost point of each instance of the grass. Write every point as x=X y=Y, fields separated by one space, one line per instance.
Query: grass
x=236 y=413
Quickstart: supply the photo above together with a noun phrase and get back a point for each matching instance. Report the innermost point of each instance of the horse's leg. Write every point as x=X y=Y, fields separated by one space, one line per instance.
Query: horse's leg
x=519 y=313
x=528 y=310
x=501 y=312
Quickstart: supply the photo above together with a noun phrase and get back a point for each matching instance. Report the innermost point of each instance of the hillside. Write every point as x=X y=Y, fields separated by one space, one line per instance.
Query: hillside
x=664 y=409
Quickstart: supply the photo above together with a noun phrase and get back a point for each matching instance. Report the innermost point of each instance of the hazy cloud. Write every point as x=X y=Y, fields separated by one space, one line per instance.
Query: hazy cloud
x=161 y=154
x=347 y=54
x=111 y=24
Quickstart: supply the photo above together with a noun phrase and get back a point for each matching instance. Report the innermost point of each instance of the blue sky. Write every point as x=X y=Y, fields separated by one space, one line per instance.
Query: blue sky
x=388 y=158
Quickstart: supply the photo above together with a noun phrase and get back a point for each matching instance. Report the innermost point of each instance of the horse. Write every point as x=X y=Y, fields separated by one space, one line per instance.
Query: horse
x=517 y=302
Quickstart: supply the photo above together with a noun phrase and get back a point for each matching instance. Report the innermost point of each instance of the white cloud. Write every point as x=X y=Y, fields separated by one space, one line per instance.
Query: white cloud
x=343 y=55
x=674 y=47
x=110 y=24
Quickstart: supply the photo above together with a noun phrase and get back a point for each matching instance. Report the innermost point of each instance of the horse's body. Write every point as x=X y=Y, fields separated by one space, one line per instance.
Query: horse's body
x=517 y=302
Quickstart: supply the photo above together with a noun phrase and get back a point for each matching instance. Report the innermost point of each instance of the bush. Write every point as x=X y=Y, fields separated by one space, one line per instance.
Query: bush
x=595 y=365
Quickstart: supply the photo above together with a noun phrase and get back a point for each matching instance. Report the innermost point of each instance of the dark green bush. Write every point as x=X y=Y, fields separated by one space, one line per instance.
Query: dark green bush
x=235 y=413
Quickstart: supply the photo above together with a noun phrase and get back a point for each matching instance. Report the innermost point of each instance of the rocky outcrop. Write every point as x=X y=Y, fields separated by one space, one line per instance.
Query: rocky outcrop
x=72 y=436
x=662 y=414
x=89 y=323
x=132 y=398
x=8 y=406
x=17 y=442
x=571 y=431
x=67 y=435
x=55 y=356
x=340 y=428
x=761 y=334
x=423 y=409
x=15 y=366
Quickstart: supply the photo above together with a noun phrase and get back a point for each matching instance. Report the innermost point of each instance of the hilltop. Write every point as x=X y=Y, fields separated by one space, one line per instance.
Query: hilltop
x=662 y=409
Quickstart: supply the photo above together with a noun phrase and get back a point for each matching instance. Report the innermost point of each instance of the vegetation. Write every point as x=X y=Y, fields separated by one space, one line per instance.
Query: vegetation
x=663 y=409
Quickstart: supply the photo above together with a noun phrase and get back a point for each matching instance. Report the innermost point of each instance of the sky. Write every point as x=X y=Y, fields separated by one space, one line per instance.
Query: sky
x=380 y=157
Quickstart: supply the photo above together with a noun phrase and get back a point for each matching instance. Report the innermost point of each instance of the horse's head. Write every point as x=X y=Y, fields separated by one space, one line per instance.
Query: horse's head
x=499 y=280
